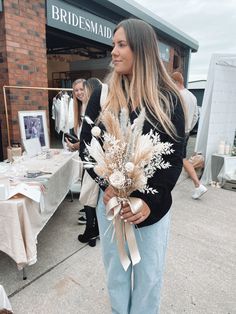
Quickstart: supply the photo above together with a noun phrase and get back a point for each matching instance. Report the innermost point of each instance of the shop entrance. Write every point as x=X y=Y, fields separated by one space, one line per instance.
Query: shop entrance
x=70 y=57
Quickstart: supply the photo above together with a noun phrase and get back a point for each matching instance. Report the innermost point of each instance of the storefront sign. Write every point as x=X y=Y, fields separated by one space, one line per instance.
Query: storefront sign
x=74 y=20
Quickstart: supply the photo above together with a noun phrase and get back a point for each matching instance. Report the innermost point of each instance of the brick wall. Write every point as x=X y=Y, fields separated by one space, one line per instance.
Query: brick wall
x=3 y=76
x=23 y=60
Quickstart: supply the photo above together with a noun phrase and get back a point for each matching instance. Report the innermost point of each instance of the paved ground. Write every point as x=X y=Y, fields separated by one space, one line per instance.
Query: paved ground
x=200 y=272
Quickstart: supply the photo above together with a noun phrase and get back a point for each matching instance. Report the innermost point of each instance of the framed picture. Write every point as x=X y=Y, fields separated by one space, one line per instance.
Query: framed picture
x=34 y=124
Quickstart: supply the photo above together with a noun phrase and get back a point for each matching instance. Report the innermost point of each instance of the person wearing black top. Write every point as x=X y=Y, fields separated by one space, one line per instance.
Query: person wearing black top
x=138 y=79
x=82 y=89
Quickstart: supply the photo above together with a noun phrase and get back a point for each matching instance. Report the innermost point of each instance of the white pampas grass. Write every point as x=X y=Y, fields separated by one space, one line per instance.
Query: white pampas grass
x=88 y=120
x=127 y=158
x=96 y=151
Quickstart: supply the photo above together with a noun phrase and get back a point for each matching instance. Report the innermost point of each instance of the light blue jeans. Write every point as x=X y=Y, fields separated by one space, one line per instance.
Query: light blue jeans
x=137 y=290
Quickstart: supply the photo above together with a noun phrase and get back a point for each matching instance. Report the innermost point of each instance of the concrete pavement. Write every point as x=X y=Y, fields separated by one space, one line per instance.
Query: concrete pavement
x=200 y=276
x=200 y=267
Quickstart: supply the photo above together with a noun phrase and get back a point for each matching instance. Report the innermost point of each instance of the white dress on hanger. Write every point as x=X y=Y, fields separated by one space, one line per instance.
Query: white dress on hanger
x=63 y=113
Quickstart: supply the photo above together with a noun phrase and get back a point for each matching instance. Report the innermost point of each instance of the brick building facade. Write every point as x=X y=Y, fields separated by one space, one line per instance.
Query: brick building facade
x=23 y=60
x=26 y=52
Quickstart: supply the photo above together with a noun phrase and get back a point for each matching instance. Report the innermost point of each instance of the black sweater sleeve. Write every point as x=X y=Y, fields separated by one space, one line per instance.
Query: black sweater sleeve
x=163 y=180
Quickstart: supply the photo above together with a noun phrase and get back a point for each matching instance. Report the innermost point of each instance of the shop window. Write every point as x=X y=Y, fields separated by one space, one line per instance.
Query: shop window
x=65 y=79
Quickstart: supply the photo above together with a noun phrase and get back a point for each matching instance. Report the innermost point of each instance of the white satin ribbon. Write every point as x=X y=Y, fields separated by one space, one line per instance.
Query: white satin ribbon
x=124 y=231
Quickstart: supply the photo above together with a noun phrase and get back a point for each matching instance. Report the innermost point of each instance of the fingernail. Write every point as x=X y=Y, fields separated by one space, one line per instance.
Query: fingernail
x=125 y=220
x=121 y=217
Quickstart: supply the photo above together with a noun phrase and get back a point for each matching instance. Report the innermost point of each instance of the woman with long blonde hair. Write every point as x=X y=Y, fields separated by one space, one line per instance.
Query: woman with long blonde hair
x=139 y=80
x=80 y=101
x=79 y=106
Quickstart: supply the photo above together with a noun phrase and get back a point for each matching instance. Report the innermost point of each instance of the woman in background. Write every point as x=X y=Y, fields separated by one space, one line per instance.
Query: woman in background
x=89 y=188
x=79 y=104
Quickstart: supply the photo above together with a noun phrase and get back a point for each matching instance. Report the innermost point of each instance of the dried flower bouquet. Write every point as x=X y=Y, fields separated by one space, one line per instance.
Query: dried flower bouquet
x=125 y=159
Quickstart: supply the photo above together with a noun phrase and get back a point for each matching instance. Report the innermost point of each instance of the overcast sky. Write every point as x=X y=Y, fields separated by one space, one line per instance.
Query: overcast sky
x=211 y=22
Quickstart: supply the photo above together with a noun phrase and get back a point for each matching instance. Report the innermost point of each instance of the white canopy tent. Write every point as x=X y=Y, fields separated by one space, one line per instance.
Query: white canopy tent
x=218 y=114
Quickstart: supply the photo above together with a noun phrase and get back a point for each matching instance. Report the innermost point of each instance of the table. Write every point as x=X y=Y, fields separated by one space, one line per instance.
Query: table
x=223 y=167
x=22 y=219
x=4 y=301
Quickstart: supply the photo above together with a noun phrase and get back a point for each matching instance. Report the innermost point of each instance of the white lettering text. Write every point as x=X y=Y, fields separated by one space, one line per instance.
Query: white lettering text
x=81 y=22
x=55 y=12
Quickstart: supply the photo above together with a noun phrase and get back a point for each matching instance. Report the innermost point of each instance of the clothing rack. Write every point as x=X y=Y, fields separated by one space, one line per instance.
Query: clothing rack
x=24 y=87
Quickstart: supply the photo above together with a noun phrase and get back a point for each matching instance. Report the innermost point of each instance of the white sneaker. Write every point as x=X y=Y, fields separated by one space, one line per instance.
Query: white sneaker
x=198 y=192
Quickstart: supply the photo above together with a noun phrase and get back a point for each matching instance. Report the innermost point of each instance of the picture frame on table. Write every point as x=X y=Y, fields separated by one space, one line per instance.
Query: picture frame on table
x=33 y=124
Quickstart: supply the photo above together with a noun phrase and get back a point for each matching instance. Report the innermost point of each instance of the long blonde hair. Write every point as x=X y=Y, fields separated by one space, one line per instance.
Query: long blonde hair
x=91 y=84
x=77 y=104
x=150 y=84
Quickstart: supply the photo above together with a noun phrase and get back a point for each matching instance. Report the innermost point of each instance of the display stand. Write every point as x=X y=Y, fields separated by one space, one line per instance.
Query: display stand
x=223 y=168
x=24 y=87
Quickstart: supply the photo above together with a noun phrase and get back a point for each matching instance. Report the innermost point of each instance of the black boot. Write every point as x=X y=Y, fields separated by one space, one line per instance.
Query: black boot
x=88 y=235
x=92 y=242
x=91 y=231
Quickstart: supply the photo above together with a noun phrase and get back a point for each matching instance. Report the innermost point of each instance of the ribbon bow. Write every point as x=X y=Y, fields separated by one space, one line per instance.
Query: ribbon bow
x=124 y=231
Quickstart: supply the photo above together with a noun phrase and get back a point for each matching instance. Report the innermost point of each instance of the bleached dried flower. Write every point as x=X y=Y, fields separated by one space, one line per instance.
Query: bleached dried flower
x=129 y=166
x=143 y=180
x=133 y=125
x=96 y=131
x=99 y=171
x=117 y=179
x=88 y=120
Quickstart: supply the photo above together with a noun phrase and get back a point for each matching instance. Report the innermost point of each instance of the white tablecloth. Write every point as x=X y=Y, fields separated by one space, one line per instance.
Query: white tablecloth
x=4 y=301
x=223 y=167
x=21 y=219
